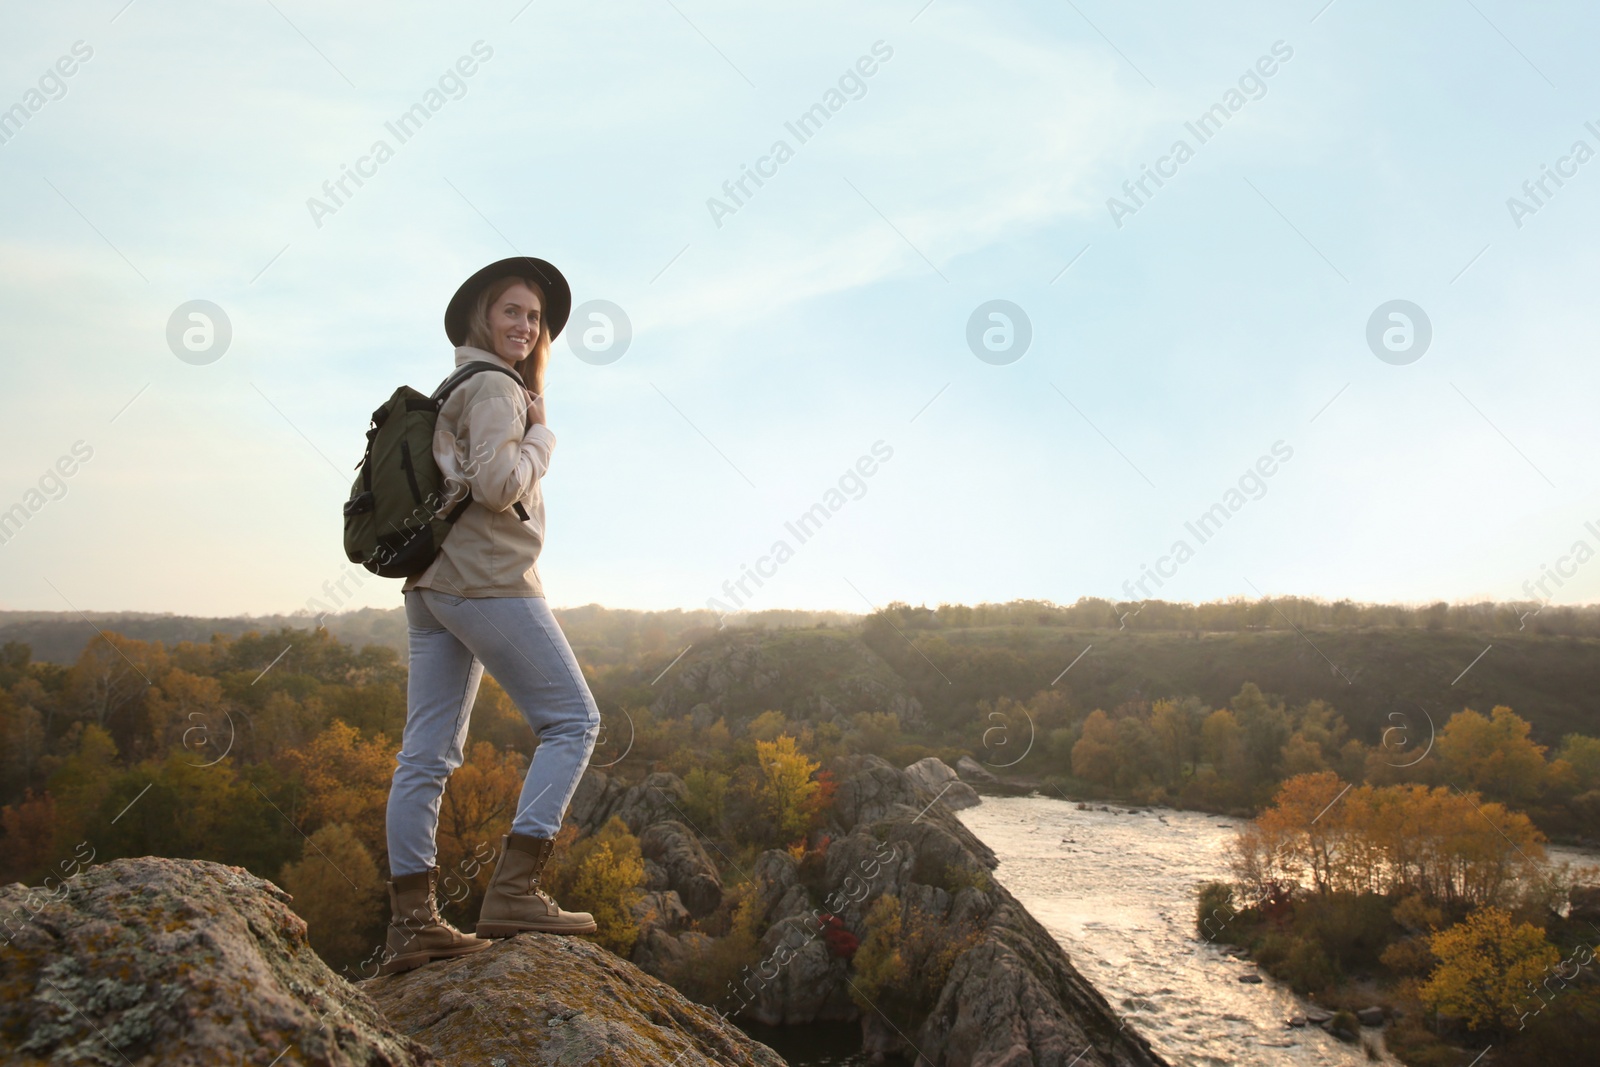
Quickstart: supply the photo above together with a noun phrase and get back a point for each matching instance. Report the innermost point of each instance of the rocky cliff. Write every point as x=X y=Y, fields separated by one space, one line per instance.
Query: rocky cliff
x=546 y=999
x=138 y=962
x=1011 y=997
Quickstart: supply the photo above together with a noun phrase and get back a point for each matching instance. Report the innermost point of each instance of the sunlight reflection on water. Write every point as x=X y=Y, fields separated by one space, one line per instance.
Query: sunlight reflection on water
x=1118 y=892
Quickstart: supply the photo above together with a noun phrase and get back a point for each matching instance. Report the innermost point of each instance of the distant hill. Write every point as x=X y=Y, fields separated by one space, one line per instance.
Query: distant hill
x=1553 y=681
x=1368 y=661
x=600 y=635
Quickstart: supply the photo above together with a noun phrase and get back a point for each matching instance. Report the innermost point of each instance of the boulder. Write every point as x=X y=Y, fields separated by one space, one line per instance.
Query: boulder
x=655 y=876
x=543 y=999
x=660 y=796
x=779 y=893
x=597 y=794
x=1585 y=901
x=1344 y=1026
x=675 y=848
x=971 y=770
x=150 y=960
x=935 y=776
x=870 y=789
x=666 y=955
x=1370 y=1016
x=1012 y=999
x=661 y=909
x=1015 y=999
x=799 y=980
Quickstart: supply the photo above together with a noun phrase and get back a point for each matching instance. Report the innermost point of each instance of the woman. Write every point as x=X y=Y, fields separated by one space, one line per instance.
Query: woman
x=481 y=604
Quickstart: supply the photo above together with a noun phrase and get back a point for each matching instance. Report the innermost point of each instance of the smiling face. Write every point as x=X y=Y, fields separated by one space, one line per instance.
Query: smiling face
x=514 y=323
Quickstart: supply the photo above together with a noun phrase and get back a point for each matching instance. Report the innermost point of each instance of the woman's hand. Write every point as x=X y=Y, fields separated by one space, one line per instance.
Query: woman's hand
x=535 y=408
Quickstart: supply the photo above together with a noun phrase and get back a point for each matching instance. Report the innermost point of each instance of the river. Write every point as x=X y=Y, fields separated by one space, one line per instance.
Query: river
x=1118 y=892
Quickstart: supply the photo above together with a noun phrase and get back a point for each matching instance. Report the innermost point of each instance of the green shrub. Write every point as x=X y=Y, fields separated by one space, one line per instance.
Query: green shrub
x=1214 y=912
x=1271 y=950
x=1306 y=967
x=707 y=793
x=1352 y=929
x=712 y=978
x=905 y=960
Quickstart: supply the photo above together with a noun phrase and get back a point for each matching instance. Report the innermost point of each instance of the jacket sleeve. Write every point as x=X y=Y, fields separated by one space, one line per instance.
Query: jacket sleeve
x=503 y=461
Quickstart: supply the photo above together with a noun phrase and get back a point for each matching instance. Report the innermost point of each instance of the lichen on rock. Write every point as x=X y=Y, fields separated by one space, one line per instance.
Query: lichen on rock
x=543 y=999
x=177 y=962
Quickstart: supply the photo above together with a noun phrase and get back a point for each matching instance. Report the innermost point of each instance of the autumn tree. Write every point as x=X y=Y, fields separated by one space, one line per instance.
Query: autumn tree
x=1094 y=756
x=1173 y=727
x=30 y=837
x=188 y=710
x=787 y=787
x=767 y=726
x=601 y=874
x=338 y=892
x=1486 y=965
x=345 y=779
x=479 y=802
x=1449 y=847
x=109 y=681
x=180 y=807
x=1582 y=756
x=1492 y=755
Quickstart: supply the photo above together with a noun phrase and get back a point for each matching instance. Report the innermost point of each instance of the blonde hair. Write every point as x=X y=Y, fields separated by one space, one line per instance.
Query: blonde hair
x=479 y=335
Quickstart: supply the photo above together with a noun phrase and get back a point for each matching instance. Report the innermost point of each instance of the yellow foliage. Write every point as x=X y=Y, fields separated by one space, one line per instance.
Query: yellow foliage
x=1486 y=964
x=338 y=893
x=181 y=702
x=346 y=780
x=767 y=726
x=905 y=959
x=787 y=787
x=1493 y=755
x=478 y=804
x=600 y=874
x=878 y=963
x=1094 y=756
x=1447 y=846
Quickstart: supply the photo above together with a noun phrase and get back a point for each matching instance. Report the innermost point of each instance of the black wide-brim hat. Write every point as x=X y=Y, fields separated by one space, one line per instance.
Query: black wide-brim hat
x=557 y=294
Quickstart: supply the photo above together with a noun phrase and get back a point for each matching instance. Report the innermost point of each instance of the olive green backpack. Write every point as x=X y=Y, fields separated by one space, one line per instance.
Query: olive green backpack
x=389 y=522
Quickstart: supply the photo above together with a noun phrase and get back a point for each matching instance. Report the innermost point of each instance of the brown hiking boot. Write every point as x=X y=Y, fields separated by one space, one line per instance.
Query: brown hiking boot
x=417 y=932
x=515 y=904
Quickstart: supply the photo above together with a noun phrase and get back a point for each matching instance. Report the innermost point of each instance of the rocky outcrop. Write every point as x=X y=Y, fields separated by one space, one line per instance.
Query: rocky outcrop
x=1016 y=998
x=1585 y=902
x=934 y=775
x=542 y=999
x=971 y=770
x=689 y=870
x=149 y=961
x=167 y=961
x=661 y=796
x=1012 y=998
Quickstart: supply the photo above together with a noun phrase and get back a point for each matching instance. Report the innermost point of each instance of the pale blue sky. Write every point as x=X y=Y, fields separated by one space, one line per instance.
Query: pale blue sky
x=770 y=352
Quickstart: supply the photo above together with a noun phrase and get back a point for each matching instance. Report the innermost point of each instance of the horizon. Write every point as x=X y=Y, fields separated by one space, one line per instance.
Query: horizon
x=777 y=609
x=954 y=303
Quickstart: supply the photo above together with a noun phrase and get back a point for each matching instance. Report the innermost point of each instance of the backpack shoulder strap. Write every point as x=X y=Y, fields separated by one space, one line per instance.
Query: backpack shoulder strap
x=467 y=370
x=446 y=387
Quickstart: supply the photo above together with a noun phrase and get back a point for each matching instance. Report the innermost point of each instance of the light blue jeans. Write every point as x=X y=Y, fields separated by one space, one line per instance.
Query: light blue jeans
x=452 y=640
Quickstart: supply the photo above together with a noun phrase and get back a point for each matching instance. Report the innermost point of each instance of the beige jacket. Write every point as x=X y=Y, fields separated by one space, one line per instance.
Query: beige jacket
x=482 y=441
